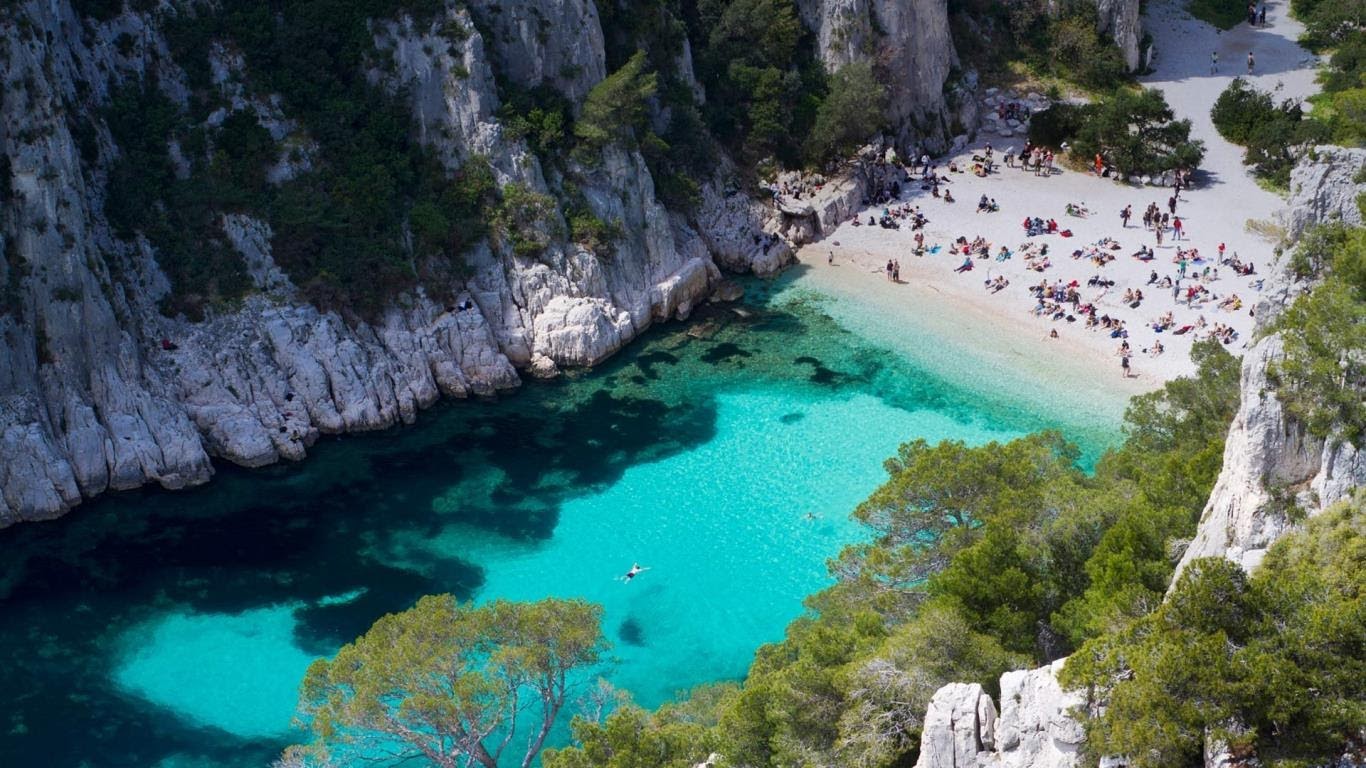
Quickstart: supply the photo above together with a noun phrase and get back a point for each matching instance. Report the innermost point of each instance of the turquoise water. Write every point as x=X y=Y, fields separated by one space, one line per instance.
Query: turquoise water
x=173 y=628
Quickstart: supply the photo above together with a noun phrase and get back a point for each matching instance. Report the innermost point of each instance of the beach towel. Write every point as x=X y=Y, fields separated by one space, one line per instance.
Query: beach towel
x=1066 y=233
x=1183 y=330
x=936 y=249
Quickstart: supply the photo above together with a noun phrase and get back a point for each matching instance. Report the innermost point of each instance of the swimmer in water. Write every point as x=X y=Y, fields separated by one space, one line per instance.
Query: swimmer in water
x=631 y=574
x=811 y=516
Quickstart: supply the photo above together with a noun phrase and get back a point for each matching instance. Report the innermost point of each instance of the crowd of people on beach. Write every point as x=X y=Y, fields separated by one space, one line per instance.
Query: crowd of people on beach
x=1190 y=277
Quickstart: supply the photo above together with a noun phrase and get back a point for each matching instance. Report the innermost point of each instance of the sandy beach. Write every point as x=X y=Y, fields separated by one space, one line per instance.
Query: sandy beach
x=1001 y=328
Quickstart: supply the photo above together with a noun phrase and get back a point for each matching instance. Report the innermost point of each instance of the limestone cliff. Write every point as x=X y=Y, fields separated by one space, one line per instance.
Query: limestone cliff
x=910 y=45
x=1034 y=729
x=99 y=390
x=1119 y=19
x=1270 y=461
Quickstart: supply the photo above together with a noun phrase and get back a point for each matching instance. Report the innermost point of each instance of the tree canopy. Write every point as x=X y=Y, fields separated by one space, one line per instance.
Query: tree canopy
x=452 y=683
x=1270 y=664
x=1137 y=133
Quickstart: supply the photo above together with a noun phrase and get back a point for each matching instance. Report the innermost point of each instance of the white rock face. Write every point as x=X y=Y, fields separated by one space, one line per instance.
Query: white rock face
x=1265 y=450
x=98 y=390
x=1120 y=20
x=550 y=42
x=1035 y=728
x=1326 y=189
x=959 y=728
x=909 y=43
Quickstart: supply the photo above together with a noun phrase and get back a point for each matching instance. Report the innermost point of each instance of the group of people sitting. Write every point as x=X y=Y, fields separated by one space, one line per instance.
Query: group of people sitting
x=1034 y=226
x=987 y=205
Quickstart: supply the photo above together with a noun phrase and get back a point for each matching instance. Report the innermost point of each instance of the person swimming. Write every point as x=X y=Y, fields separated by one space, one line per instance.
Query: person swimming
x=631 y=574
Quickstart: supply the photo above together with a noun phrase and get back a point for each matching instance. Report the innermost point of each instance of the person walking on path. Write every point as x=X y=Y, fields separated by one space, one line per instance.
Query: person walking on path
x=1261 y=17
x=1251 y=62
x=1171 y=204
x=1176 y=228
x=1213 y=62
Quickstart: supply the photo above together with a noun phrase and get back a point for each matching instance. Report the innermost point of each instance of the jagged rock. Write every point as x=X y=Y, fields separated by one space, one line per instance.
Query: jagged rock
x=959 y=728
x=909 y=39
x=543 y=367
x=1036 y=728
x=1267 y=454
x=728 y=290
x=98 y=390
x=1326 y=188
x=551 y=42
x=1120 y=20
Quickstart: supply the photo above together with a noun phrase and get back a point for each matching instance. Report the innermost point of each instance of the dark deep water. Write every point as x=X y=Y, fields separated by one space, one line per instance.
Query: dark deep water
x=294 y=560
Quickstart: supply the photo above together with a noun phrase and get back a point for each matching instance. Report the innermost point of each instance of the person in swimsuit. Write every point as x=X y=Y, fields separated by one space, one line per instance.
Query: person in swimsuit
x=631 y=574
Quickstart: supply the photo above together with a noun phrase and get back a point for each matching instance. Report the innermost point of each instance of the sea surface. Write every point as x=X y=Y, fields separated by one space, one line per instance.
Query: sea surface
x=724 y=454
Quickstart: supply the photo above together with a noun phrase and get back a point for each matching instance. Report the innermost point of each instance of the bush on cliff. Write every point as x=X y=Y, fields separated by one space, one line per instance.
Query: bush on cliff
x=854 y=111
x=1271 y=664
x=1323 y=373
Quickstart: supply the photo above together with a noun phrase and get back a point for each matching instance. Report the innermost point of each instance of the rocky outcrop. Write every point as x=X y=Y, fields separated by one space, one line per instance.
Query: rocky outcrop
x=1271 y=462
x=1119 y=20
x=910 y=45
x=959 y=728
x=99 y=390
x=546 y=42
x=1325 y=188
x=1035 y=728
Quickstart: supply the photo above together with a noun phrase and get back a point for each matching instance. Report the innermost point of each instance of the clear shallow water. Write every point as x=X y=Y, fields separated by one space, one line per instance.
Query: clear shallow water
x=172 y=629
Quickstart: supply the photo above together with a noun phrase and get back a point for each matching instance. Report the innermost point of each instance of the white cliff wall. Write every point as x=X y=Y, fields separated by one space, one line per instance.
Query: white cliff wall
x=1035 y=728
x=90 y=397
x=909 y=43
x=1120 y=21
x=1268 y=455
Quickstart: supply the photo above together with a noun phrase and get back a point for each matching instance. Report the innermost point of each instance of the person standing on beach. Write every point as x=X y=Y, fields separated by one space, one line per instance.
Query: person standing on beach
x=1159 y=235
x=1261 y=17
x=1171 y=204
x=1125 y=214
x=1251 y=62
x=1176 y=228
x=1213 y=62
x=830 y=259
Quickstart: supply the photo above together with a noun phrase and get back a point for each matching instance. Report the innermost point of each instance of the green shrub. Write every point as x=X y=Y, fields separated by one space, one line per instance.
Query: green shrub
x=1056 y=125
x=1323 y=373
x=179 y=216
x=1077 y=51
x=526 y=221
x=1239 y=109
x=854 y=111
x=539 y=115
x=1270 y=663
x=1137 y=133
x=1329 y=23
x=1274 y=135
x=615 y=109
